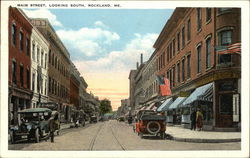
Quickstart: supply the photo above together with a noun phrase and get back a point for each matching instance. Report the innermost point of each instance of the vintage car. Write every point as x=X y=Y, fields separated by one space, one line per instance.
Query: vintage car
x=93 y=119
x=34 y=125
x=148 y=122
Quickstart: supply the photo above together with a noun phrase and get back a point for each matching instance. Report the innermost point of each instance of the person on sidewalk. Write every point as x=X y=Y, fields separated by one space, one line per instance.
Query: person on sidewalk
x=52 y=127
x=193 y=119
x=199 y=118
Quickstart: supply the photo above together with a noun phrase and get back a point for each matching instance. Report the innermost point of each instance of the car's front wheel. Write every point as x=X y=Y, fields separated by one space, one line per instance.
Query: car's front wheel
x=37 y=135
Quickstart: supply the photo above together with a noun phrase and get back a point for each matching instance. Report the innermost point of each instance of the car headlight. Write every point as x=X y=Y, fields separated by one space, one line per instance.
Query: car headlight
x=29 y=127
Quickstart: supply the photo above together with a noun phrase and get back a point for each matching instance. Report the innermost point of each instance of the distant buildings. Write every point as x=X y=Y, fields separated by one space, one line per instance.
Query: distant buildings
x=41 y=72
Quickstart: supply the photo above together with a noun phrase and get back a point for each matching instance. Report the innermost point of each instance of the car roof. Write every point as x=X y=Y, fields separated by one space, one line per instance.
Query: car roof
x=35 y=110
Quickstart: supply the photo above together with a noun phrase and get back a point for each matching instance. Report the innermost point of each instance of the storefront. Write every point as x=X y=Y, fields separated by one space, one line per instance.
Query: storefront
x=174 y=112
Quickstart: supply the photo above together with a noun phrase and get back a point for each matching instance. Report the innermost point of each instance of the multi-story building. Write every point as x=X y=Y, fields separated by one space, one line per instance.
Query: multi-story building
x=82 y=93
x=150 y=83
x=39 y=68
x=20 y=94
x=132 y=89
x=74 y=86
x=189 y=55
x=58 y=67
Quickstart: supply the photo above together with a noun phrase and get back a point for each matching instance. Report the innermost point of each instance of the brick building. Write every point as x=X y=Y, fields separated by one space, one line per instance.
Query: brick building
x=188 y=55
x=20 y=94
x=58 y=68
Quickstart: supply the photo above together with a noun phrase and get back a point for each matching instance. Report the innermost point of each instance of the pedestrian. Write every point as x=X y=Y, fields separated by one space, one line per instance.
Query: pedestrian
x=193 y=119
x=199 y=118
x=52 y=127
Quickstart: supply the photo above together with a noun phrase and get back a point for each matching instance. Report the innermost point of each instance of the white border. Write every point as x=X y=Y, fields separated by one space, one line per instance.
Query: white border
x=244 y=152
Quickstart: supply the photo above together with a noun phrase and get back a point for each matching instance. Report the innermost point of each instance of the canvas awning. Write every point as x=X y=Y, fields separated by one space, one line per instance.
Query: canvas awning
x=200 y=93
x=150 y=106
x=164 y=106
x=177 y=102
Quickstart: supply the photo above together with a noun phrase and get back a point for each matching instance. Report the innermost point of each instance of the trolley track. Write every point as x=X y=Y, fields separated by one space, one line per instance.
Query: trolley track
x=92 y=143
x=112 y=131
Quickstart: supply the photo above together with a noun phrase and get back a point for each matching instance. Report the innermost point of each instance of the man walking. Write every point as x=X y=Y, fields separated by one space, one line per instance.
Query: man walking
x=52 y=127
x=193 y=119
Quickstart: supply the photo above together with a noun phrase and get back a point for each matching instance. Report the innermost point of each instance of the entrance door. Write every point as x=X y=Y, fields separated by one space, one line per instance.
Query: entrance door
x=225 y=111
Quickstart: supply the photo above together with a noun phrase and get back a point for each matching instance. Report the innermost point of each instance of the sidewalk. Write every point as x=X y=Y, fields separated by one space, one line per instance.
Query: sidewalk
x=186 y=135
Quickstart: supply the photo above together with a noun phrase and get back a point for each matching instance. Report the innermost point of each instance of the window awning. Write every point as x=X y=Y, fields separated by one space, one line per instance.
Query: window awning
x=164 y=106
x=150 y=106
x=177 y=102
x=203 y=93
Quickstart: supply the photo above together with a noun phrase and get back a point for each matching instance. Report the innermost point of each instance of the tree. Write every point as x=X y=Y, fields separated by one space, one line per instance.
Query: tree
x=105 y=106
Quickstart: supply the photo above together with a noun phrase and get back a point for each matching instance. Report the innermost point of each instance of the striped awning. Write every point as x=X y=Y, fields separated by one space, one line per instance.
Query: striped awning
x=164 y=106
x=177 y=103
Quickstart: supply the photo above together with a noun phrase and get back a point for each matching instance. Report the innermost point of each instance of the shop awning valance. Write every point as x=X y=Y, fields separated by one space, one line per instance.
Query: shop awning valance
x=164 y=106
x=177 y=103
x=200 y=93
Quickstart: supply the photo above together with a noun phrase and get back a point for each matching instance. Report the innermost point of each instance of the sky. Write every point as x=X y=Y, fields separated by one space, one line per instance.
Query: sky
x=105 y=44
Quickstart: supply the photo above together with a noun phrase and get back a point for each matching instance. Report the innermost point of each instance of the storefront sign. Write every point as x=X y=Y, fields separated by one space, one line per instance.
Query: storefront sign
x=226 y=86
x=236 y=114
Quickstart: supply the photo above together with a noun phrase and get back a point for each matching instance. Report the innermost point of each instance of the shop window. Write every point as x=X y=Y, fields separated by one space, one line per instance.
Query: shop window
x=208 y=14
x=13 y=34
x=21 y=41
x=199 y=19
x=208 y=52
x=27 y=47
x=226 y=104
x=14 y=72
x=21 y=75
x=189 y=30
x=199 y=59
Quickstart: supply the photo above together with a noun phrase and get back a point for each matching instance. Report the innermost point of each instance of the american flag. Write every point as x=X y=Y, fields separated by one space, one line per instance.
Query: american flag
x=230 y=49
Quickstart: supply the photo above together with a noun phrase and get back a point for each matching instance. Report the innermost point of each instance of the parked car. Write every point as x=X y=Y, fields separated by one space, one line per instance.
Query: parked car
x=93 y=119
x=34 y=125
x=150 y=123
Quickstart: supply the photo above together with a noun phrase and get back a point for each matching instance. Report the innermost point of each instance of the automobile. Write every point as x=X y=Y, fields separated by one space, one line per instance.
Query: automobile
x=93 y=119
x=34 y=125
x=121 y=119
x=150 y=123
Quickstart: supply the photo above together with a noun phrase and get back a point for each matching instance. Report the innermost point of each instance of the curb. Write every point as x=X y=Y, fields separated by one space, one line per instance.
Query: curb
x=196 y=140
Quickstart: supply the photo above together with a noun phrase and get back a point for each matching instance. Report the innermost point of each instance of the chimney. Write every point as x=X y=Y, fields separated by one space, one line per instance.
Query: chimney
x=137 y=65
x=141 y=58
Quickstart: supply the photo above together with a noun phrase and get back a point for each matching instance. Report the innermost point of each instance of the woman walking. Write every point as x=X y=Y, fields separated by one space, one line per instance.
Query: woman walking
x=199 y=118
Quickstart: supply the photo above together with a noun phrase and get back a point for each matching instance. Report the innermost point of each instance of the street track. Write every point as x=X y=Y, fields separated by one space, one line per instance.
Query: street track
x=123 y=148
x=92 y=143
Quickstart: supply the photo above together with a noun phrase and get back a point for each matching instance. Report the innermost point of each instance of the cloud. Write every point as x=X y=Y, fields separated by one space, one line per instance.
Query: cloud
x=100 y=24
x=87 y=41
x=121 y=61
x=43 y=13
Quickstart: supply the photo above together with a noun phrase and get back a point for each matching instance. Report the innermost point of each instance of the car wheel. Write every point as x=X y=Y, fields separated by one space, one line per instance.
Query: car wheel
x=37 y=135
x=153 y=127
x=12 y=139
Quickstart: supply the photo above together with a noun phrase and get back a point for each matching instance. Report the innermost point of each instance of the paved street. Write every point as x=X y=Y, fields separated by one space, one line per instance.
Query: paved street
x=113 y=135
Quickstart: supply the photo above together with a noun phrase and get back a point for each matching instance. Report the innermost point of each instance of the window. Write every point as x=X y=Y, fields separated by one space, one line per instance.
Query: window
x=14 y=72
x=21 y=41
x=21 y=75
x=189 y=30
x=208 y=14
x=225 y=37
x=55 y=61
x=188 y=66
x=27 y=47
x=170 y=50
x=163 y=58
x=33 y=52
x=168 y=55
x=33 y=81
x=38 y=83
x=208 y=52
x=183 y=69
x=13 y=32
x=45 y=87
x=199 y=21
x=49 y=56
x=45 y=64
x=52 y=59
x=173 y=47
x=38 y=56
x=28 y=78
x=49 y=84
x=178 y=72
x=199 y=59
x=226 y=103
x=183 y=36
x=173 y=76
x=41 y=85
x=42 y=59
x=178 y=42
